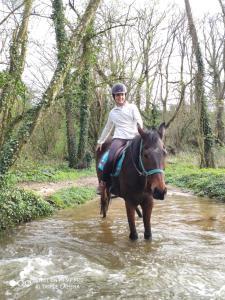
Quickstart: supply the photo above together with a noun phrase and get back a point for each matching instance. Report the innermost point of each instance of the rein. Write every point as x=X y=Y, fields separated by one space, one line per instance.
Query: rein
x=143 y=171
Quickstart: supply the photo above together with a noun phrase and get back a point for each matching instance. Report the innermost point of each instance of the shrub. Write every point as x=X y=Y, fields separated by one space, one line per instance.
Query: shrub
x=17 y=206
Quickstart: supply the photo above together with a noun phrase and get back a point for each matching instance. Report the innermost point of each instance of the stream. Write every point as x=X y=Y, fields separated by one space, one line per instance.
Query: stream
x=75 y=254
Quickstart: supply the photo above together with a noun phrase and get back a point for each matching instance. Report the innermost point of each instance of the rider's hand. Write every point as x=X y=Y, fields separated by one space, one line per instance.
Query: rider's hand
x=99 y=147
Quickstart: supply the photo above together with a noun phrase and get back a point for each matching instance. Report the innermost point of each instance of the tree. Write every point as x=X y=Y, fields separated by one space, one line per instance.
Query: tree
x=18 y=136
x=67 y=93
x=205 y=133
x=85 y=93
x=214 y=52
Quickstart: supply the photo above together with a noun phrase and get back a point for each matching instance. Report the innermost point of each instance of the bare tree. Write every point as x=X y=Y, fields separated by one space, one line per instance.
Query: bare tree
x=214 y=54
x=205 y=132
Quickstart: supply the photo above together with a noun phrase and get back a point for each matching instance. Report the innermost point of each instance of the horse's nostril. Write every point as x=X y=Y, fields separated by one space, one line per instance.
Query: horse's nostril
x=159 y=194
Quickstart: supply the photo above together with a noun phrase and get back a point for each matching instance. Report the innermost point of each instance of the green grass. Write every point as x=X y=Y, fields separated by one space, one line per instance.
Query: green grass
x=47 y=173
x=18 y=206
x=72 y=196
x=203 y=182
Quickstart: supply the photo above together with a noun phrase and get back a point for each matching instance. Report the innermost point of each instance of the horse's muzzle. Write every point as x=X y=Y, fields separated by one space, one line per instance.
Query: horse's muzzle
x=159 y=194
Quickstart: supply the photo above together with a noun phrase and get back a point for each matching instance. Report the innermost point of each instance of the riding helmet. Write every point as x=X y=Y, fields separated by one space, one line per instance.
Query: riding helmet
x=119 y=88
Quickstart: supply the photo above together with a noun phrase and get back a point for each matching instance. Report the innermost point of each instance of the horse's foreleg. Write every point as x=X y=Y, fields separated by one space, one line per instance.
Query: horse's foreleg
x=131 y=220
x=147 y=205
x=105 y=198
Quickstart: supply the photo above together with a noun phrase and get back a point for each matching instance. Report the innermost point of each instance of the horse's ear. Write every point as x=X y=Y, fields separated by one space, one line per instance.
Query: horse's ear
x=162 y=130
x=140 y=130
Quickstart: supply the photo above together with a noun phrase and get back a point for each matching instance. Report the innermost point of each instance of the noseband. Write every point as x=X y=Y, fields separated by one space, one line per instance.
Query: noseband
x=143 y=171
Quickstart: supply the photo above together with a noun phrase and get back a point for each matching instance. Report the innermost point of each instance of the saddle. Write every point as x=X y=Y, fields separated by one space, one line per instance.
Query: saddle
x=117 y=160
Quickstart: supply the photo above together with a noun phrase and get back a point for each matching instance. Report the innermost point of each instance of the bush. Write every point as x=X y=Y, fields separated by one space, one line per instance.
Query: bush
x=17 y=206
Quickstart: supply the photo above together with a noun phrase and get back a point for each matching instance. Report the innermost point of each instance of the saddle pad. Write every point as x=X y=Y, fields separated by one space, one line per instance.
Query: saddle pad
x=119 y=163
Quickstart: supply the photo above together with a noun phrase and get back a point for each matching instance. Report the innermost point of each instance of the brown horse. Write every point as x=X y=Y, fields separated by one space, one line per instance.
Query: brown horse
x=141 y=177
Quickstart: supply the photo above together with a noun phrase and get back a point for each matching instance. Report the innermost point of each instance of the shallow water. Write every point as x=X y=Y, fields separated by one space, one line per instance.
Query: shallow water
x=77 y=255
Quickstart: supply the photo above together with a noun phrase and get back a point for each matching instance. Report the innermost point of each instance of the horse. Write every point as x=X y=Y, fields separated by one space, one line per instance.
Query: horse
x=141 y=177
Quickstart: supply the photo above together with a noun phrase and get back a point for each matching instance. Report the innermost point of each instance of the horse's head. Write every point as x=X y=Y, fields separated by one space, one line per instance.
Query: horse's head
x=152 y=160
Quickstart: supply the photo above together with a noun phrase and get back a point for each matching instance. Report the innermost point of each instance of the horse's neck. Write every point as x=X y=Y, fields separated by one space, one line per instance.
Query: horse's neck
x=132 y=156
x=133 y=166
x=134 y=150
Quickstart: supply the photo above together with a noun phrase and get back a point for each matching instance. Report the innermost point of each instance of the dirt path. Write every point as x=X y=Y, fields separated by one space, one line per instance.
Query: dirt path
x=45 y=189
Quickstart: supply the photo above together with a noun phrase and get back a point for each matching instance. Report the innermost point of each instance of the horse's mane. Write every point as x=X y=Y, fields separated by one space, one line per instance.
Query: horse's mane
x=153 y=137
x=134 y=147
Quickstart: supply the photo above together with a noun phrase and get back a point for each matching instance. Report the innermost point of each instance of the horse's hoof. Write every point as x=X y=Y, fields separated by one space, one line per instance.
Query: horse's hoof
x=148 y=236
x=133 y=236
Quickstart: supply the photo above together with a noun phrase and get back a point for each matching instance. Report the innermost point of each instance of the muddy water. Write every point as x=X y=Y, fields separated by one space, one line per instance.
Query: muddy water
x=77 y=255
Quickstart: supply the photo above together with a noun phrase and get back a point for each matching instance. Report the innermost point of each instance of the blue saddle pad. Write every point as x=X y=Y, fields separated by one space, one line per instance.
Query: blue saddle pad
x=119 y=163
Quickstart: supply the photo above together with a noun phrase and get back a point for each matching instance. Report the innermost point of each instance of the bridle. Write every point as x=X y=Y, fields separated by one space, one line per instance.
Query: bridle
x=143 y=171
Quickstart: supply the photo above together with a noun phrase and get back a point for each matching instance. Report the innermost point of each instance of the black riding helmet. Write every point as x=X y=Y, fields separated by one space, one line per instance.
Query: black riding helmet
x=119 y=88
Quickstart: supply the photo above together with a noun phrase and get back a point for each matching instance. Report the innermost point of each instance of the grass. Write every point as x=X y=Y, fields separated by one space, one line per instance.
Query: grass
x=203 y=182
x=19 y=206
x=72 y=196
x=36 y=172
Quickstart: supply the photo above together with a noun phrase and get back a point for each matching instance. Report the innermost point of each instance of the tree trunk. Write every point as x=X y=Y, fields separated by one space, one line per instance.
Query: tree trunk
x=205 y=132
x=220 y=100
x=71 y=133
x=62 y=42
x=85 y=95
x=220 y=129
x=13 y=83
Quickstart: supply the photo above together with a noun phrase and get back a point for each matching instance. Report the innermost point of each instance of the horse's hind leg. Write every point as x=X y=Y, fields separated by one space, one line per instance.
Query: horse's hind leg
x=131 y=220
x=147 y=205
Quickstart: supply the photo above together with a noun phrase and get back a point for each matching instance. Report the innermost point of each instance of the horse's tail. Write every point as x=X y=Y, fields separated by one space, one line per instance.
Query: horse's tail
x=139 y=213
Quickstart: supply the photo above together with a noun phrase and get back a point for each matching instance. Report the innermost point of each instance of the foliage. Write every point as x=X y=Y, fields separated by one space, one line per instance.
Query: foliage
x=32 y=171
x=72 y=196
x=17 y=206
x=203 y=182
x=13 y=143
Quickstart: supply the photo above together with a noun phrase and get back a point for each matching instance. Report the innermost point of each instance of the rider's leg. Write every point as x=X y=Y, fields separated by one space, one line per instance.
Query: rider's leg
x=115 y=145
x=108 y=168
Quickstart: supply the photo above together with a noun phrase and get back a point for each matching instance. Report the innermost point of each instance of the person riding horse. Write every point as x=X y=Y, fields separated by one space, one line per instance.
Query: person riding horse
x=123 y=119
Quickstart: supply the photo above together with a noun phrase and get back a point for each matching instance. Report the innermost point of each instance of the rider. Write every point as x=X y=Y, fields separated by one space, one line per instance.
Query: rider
x=123 y=118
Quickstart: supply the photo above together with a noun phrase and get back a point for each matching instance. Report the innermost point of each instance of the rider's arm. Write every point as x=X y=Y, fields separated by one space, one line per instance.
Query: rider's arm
x=106 y=131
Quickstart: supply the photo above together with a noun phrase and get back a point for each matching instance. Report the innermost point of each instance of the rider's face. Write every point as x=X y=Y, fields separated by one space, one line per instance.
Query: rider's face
x=120 y=99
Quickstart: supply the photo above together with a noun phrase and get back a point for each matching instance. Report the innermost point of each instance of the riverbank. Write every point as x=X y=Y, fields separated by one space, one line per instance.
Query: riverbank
x=40 y=191
x=203 y=182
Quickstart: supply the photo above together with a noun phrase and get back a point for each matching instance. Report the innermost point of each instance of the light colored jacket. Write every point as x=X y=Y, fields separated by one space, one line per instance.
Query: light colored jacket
x=123 y=119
